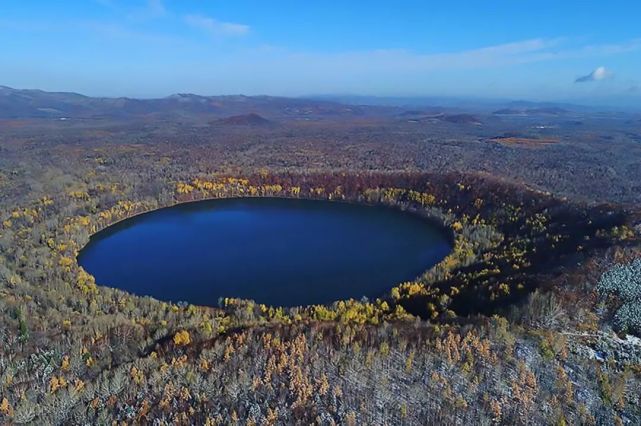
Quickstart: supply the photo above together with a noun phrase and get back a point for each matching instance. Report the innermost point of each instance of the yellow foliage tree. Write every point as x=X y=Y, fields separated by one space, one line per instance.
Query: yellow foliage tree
x=182 y=338
x=5 y=407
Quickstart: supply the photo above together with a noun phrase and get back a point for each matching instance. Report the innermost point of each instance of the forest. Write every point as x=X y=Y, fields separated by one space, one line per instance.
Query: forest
x=532 y=317
x=481 y=335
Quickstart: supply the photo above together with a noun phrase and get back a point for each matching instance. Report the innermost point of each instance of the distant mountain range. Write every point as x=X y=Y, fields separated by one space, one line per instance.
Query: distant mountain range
x=16 y=103
x=470 y=104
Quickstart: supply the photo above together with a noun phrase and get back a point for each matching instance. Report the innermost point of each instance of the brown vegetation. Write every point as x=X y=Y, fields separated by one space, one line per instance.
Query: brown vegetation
x=508 y=329
x=527 y=142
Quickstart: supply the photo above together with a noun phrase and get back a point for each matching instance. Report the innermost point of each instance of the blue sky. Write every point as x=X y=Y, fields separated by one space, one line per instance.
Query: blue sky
x=571 y=50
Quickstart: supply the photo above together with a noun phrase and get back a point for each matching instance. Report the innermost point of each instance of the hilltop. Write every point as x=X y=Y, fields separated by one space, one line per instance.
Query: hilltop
x=251 y=119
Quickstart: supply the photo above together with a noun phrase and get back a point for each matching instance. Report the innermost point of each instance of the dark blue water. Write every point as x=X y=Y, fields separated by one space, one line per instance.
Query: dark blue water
x=280 y=252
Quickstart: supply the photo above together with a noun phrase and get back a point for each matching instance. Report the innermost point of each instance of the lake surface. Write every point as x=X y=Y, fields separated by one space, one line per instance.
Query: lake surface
x=281 y=252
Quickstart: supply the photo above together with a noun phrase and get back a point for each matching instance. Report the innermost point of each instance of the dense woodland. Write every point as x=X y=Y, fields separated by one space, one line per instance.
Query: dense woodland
x=522 y=323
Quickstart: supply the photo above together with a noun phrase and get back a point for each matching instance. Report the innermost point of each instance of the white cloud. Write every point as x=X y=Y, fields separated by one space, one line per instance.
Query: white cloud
x=601 y=73
x=148 y=10
x=216 y=27
x=115 y=31
x=406 y=61
x=498 y=70
x=156 y=7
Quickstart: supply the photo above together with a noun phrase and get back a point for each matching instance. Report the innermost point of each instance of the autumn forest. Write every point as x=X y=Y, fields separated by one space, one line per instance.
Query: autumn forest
x=532 y=317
